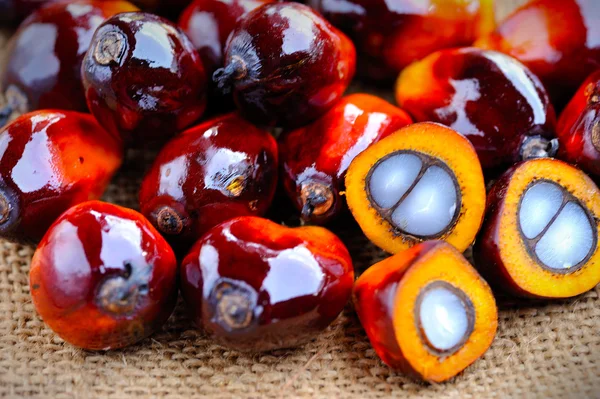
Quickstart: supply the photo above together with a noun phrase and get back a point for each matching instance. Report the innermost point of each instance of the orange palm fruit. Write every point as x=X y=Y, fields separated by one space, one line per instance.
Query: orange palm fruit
x=421 y=183
x=426 y=311
x=556 y=39
x=540 y=235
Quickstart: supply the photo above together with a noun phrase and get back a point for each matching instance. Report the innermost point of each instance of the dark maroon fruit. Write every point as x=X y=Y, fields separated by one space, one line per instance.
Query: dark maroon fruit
x=143 y=79
x=44 y=56
x=218 y=170
x=208 y=23
x=488 y=97
x=286 y=65
x=254 y=285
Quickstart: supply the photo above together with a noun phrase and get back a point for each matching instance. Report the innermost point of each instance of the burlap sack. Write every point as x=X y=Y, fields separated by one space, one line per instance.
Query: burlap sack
x=541 y=350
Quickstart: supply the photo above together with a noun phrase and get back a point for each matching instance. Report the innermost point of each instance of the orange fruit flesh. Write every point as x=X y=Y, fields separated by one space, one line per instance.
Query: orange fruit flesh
x=373 y=300
x=433 y=140
x=443 y=263
x=524 y=270
x=385 y=298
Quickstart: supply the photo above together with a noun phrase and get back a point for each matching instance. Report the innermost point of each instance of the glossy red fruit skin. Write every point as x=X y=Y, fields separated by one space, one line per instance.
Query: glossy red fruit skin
x=103 y=278
x=151 y=86
x=318 y=155
x=488 y=97
x=284 y=285
x=389 y=35
x=44 y=56
x=282 y=82
x=218 y=170
x=50 y=161
x=556 y=39
x=208 y=23
x=578 y=128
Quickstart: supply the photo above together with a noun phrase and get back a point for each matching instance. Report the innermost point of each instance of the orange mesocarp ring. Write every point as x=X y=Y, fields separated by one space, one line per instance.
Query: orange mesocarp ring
x=540 y=235
x=426 y=311
x=421 y=183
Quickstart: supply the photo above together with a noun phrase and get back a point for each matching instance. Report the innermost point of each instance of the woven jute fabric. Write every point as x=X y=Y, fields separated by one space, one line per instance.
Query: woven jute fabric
x=543 y=350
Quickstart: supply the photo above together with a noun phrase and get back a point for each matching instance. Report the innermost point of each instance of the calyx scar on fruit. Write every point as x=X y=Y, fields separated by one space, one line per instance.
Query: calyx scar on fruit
x=540 y=236
x=50 y=161
x=254 y=285
x=103 y=277
x=143 y=79
x=315 y=158
x=422 y=182
x=223 y=168
x=426 y=311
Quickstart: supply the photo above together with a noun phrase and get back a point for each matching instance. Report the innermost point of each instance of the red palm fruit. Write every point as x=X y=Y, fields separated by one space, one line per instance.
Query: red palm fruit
x=143 y=79
x=44 y=56
x=389 y=35
x=314 y=158
x=488 y=97
x=254 y=285
x=556 y=39
x=578 y=128
x=50 y=161
x=208 y=23
x=540 y=234
x=218 y=170
x=103 y=277
x=286 y=65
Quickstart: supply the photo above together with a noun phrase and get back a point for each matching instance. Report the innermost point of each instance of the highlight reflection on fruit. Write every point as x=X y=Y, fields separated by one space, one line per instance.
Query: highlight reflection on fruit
x=556 y=39
x=218 y=170
x=44 y=56
x=143 y=79
x=208 y=23
x=281 y=82
x=540 y=236
x=426 y=311
x=103 y=278
x=421 y=183
x=389 y=35
x=314 y=158
x=488 y=97
x=254 y=285
x=51 y=160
